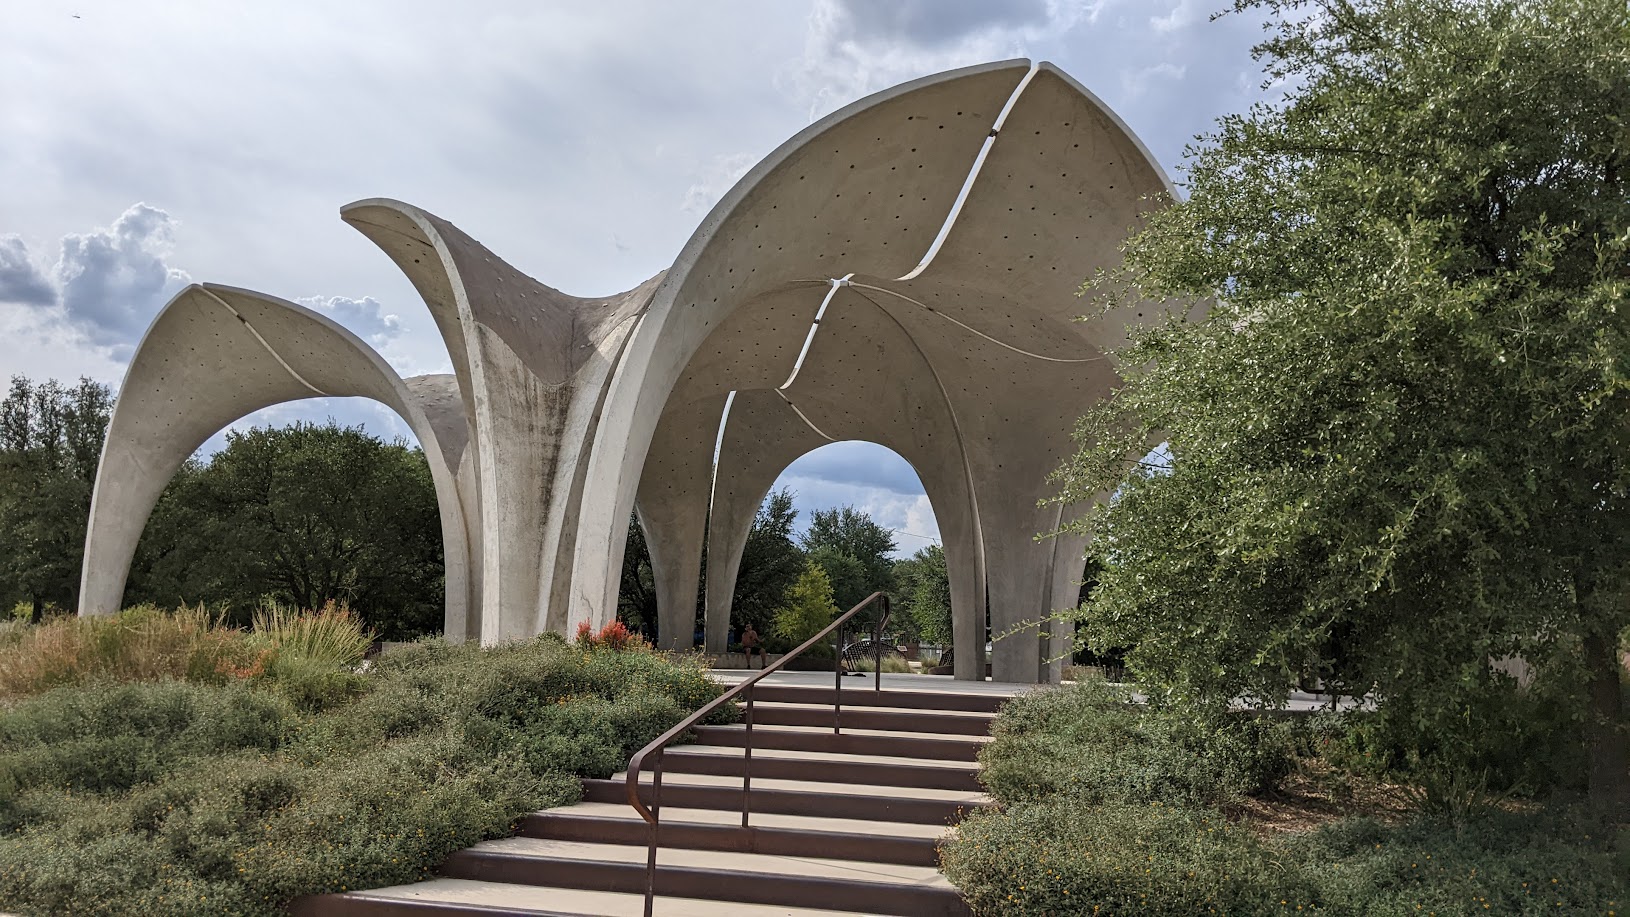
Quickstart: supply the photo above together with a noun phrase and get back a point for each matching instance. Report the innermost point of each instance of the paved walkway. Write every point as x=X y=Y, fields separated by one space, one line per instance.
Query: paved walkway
x=1298 y=701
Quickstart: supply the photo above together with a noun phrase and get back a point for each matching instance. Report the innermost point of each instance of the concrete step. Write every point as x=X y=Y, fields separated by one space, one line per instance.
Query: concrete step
x=916 y=721
x=743 y=877
x=683 y=760
x=677 y=814
x=699 y=794
x=866 y=696
x=566 y=825
x=792 y=738
x=816 y=786
x=468 y=898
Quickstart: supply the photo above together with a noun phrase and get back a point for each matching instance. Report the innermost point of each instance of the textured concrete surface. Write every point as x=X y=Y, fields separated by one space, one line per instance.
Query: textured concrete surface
x=943 y=226
x=215 y=354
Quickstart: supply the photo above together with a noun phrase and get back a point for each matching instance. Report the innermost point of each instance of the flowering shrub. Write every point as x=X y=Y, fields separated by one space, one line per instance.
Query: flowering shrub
x=614 y=636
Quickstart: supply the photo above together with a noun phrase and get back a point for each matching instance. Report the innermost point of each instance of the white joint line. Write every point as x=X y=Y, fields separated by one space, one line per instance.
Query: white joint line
x=976 y=331
x=973 y=173
x=809 y=339
x=718 y=448
x=801 y=416
x=281 y=362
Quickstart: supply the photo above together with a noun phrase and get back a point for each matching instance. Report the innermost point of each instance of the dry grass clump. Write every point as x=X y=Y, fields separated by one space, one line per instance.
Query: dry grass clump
x=140 y=644
x=189 y=644
x=332 y=634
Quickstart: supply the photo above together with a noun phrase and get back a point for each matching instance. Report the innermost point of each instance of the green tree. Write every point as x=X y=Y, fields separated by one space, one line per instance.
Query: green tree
x=50 y=444
x=925 y=593
x=847 y=575
x=770 y=563
x=637 y=594
x=1399 y=438
x=847 y=532
x=808 y=606
x=304 y=514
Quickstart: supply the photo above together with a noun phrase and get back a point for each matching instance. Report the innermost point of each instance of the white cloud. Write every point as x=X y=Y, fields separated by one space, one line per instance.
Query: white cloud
x=855 y=47
x=722 y=173
x=365 y=317
x=1183 y=14
x=1135 y=83
x=872 y=479
x=114 y=280
x=37 y=344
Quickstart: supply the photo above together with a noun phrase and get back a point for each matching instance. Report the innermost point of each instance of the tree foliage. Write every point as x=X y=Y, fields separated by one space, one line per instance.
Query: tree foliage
x=854 y=551
x=924 y=588
x=770 y=563
x=302 y=514
x=808 y=606
x=50 y=444
x=1400 y=438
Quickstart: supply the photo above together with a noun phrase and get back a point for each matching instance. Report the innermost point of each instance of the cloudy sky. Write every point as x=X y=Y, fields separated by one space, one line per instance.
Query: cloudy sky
x=146 y=145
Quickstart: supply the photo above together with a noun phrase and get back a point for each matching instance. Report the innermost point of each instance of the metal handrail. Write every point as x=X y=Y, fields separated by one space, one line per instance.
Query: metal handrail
x=636 y=764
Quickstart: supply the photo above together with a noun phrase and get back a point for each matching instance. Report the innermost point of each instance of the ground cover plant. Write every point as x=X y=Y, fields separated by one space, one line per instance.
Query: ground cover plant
x=232 y=781
x=1106 y=807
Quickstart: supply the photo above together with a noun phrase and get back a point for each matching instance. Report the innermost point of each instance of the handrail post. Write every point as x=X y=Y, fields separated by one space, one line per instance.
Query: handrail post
x=837 y=682
x=877 y=643
x=747 y=764
x=651 y=853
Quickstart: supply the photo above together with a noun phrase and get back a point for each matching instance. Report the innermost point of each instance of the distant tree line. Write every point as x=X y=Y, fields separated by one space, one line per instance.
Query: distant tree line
x=297 y=515
x=851 y=552
x=311 y=512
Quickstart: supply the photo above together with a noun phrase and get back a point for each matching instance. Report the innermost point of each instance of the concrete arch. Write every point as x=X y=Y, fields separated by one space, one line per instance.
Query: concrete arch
x=870 y=184
x=731 y=521
x=533 y=364
x=215 y=354
x=992 y=310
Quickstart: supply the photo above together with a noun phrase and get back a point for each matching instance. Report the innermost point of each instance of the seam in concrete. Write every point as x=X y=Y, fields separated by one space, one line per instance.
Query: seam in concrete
x=275 y=355
x=973 y=174
x=718 y=447
x=809 y=339
x=802 y=416
x=976 y=331
x=981 y=573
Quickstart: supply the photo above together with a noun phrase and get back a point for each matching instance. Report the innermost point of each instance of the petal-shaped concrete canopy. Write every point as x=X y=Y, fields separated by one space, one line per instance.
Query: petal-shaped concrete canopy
x=982 y=335
x=215 y=354
x=901 y=272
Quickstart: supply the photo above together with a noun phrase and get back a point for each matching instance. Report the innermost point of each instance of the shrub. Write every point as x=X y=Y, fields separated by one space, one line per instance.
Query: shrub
x=1508 y=742
x=1087 y=740
x=183 y=798
x=313 y=684
x=1063 y=855
x=892 y=664
x=1490 y=861
x=614 y=636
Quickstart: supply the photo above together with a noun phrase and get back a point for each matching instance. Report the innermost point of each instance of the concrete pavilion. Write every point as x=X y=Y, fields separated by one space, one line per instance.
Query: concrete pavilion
x=902 y=272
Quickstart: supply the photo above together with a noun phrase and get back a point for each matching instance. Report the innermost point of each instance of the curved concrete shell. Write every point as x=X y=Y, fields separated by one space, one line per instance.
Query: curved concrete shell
x=215 y=354
x=971 y=240
x=532 y=363
x=901 y=272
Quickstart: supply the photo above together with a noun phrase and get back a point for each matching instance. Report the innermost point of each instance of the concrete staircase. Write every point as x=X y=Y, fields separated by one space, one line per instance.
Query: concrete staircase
x=841 y=823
